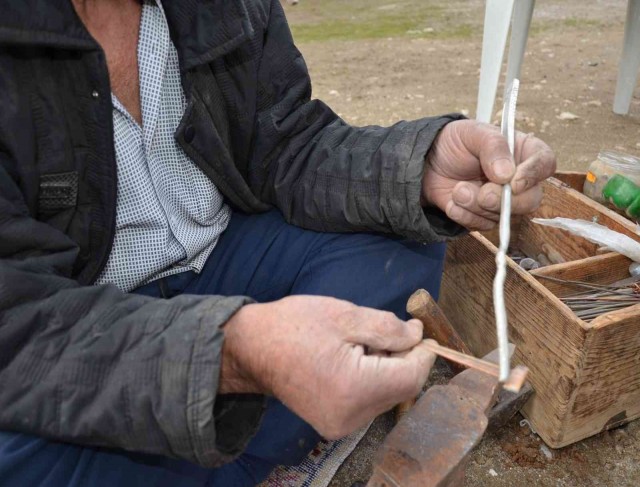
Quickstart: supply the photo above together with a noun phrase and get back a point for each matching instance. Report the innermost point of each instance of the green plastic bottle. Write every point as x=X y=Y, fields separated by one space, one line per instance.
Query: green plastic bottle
x=624 y=194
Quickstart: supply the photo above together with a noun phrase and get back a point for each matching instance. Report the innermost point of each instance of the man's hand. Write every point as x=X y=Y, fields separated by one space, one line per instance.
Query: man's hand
x=468 y=164
x=335 y=364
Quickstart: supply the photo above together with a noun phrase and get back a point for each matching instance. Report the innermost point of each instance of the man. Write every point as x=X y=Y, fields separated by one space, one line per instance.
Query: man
x=152 y=294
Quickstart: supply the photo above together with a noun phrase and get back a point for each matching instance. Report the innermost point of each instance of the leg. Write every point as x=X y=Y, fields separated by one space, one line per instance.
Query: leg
x=265 y=258
x=522 y=14
x=373 y=271
x=630 y=61
x=30 y=461
x=496 y=28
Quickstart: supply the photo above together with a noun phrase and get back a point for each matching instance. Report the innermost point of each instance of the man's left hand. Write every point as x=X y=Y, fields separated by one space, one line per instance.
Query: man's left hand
x=468 y=164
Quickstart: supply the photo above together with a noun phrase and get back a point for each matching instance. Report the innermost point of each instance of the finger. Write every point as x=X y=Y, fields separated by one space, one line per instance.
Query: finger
x=373 y=352
x=467 y=218
x=410 y=369
x=489 y=199
x=387 y=381
x=467 y=195
x=527 y=202
x=492 y=149
x=383 y=331
x=528 y=144
x=540 y=163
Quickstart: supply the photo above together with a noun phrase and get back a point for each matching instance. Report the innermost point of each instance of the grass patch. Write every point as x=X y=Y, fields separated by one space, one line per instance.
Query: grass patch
x=357 y=19
x=344 y=20
x=538 y=28
x=575 y=22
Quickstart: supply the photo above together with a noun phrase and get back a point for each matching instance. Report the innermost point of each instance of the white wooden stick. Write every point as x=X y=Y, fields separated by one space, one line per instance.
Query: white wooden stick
x=508 y=130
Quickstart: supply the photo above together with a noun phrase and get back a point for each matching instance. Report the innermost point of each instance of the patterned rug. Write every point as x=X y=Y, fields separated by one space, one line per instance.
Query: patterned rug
x=318 y=469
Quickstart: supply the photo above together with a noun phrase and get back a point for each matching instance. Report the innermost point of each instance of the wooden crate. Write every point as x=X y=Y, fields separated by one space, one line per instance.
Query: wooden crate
x=586 y=376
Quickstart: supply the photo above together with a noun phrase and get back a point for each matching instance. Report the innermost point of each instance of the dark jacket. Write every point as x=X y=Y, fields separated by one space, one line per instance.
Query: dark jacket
x=90 y=364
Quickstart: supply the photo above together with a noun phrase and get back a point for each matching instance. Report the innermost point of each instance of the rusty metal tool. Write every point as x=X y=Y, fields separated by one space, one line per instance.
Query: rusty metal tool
x=430 y=446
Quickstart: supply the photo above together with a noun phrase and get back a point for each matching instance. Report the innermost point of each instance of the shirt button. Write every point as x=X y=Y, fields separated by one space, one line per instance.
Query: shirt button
x=189 y=134
x=95 y=94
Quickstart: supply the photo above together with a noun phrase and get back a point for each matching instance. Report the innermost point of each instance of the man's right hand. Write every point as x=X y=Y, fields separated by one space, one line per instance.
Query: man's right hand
x=335 y=364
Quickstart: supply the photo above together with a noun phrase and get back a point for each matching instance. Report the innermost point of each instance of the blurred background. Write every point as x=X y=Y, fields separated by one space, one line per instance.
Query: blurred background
x=380 y=61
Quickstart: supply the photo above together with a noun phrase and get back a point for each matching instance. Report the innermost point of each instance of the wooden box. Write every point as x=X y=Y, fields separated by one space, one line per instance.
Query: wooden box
x=586 y=376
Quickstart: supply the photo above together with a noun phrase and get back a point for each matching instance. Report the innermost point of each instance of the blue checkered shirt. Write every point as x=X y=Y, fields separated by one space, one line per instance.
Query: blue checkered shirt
x=169 y=215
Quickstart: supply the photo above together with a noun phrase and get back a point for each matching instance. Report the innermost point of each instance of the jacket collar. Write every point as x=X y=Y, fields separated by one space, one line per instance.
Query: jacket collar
x=201 y=30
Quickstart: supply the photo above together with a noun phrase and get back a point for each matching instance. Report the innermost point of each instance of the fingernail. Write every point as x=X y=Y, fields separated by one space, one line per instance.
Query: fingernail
x=464 y=196
x=453 y=210
x=492 y=201
x=503 y=169
x=416 y=327
x=521 y=185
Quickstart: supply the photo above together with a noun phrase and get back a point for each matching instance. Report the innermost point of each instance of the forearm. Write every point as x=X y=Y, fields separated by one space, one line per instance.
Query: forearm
x=93 y=366
x=326 y=175
x=334 y=177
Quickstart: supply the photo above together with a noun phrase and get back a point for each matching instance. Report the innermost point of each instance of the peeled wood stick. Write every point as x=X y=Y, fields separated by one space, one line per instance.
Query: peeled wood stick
x=502 y=332
x=468 y=361
x=514 y=382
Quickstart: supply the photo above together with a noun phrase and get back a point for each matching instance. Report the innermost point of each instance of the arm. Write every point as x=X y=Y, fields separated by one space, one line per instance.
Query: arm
x=95 y=366
x=326 y=175
x=180 y=377
x=424 y=180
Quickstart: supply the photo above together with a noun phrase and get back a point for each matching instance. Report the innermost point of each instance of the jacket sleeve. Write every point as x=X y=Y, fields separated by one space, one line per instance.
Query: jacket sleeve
x=96 y=366
x=326 y=175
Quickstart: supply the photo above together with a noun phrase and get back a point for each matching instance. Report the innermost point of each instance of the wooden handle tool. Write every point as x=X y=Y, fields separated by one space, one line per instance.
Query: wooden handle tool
x=436 y=325
x=450 y=346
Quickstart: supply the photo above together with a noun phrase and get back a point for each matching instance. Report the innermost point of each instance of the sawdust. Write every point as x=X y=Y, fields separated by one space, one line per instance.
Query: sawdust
x=525 y=452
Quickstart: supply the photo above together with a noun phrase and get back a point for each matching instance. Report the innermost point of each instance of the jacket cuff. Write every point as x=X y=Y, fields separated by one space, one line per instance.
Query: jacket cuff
x=409 y=218
x=220 y=426
x=237 y=418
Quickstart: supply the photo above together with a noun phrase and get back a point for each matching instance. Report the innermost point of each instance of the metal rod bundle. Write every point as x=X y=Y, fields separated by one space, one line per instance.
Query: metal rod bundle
x=599 y=299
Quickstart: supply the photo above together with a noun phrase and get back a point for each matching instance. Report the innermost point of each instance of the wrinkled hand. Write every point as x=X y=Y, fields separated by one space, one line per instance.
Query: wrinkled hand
x=468 y=164
x=312 y=354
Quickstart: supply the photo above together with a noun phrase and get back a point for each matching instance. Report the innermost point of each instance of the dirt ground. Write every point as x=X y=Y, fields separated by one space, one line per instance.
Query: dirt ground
x=380 y=61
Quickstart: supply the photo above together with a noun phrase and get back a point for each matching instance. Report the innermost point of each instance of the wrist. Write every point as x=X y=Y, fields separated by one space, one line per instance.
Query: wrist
x=425 y=201
x=240 y=369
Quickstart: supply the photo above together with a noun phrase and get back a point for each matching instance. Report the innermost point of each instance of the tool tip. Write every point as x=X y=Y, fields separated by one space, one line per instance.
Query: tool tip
x=516 y=378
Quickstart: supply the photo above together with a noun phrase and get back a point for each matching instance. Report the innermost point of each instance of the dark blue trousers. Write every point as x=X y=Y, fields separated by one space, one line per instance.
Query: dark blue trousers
x=263 y=257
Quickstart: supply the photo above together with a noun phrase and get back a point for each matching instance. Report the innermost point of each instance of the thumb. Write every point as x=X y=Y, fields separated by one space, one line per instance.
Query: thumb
x=384 y=331
x=490 y=147
x=410 y=369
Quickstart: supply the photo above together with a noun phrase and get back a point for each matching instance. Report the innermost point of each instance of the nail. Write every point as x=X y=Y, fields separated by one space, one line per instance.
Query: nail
x=453 y=210
x=520 y=186
x=492 y=201
x=464 y=196
x=503 y=169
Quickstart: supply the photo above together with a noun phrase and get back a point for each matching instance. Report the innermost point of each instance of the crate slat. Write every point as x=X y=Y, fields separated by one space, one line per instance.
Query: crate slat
x=586 y=375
